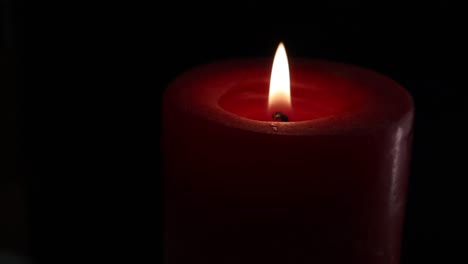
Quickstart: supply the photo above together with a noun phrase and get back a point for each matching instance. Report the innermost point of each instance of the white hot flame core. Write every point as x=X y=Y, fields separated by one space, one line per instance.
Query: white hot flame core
x=280 y=93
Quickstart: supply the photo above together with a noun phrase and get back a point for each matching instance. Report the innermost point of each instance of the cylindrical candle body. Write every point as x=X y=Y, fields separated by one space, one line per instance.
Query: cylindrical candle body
x=329 y=190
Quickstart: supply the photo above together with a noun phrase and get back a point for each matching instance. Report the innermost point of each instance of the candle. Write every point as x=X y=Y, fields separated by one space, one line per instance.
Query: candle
x=322 y=181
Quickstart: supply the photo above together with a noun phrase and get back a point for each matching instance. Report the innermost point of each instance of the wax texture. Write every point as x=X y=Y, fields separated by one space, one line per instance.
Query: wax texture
x=329 y=189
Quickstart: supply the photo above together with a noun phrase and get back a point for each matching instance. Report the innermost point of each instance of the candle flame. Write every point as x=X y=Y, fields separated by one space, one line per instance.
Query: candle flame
x=279 y=98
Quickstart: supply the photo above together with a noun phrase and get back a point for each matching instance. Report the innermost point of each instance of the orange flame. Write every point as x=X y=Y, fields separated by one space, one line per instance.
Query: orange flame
x=279 y=98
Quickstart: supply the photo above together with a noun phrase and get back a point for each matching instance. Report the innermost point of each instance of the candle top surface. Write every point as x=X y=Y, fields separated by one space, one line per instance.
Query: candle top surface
x=326 y=97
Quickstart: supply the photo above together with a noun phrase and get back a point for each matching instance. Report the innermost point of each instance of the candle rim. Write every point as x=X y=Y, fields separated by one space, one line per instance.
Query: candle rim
x=357 y=122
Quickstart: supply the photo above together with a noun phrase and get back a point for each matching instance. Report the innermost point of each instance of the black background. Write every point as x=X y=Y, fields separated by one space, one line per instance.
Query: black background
x=89 y=93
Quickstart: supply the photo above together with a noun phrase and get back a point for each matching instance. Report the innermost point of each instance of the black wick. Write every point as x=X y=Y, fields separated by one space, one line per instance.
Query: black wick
x=280 y=116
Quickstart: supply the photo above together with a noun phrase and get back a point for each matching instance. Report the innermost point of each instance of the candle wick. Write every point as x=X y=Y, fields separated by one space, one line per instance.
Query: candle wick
x=280 y=116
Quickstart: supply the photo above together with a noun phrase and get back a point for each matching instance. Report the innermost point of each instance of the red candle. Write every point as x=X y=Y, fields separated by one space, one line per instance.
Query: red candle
x=327 y=186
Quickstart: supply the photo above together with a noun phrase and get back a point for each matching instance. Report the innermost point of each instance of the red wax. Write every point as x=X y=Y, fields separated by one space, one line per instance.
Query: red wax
x=327 y=187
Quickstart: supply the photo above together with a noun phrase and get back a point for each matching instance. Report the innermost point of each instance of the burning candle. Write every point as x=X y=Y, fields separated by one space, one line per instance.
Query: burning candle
x=299 y=162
